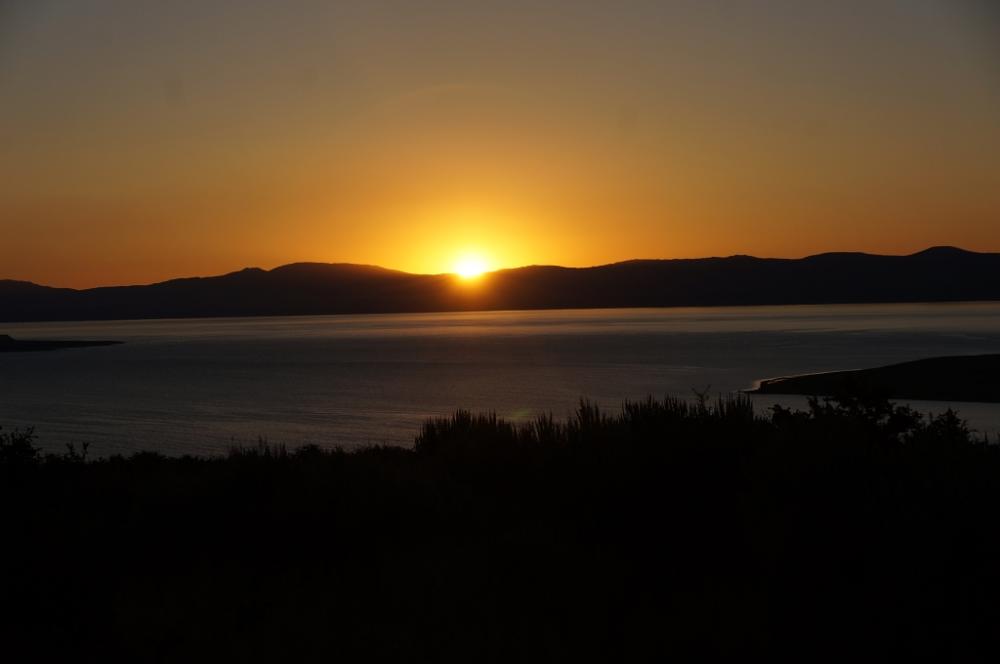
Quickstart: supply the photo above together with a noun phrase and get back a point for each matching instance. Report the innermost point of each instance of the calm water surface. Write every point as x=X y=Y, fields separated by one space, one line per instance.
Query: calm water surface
x=200 y=386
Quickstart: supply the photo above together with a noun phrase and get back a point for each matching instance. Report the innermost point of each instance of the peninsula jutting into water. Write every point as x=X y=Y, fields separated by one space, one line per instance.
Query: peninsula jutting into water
x=9 y=344
x=962 y=378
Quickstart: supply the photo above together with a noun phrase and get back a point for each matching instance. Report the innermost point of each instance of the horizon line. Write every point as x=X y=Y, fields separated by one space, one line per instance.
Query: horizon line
x=952 y=248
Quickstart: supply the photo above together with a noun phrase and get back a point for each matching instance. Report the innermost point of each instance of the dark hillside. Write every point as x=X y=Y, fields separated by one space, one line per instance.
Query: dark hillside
x=939 y=274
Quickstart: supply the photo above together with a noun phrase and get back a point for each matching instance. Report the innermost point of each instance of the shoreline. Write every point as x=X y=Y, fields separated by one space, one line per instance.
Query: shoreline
x=961 y=378
x=10 y=345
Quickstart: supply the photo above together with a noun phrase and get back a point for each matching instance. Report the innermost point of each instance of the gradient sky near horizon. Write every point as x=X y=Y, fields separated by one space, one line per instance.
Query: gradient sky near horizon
x=146 y=140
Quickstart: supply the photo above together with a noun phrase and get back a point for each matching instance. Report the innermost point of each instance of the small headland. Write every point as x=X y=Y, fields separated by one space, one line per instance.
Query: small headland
x=958 y=378
x=9 y=344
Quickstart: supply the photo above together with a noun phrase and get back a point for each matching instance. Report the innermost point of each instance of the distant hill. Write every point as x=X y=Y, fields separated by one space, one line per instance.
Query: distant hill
x=940 y=274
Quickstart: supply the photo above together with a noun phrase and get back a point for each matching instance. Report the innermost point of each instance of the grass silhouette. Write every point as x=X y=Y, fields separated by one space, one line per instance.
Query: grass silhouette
x=856 y=528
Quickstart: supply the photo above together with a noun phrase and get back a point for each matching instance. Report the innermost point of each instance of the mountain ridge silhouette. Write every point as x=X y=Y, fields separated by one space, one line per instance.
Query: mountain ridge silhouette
x=936 y=274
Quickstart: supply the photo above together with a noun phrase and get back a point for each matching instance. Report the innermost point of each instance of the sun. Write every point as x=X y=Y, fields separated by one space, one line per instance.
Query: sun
x=469 y=266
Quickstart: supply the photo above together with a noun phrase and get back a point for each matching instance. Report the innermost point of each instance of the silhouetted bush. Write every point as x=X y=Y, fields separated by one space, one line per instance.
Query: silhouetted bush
x=17 y=447
x=854 y=529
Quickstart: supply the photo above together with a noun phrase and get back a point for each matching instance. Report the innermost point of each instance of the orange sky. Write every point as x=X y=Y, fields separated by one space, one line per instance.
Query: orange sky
x=145 y=140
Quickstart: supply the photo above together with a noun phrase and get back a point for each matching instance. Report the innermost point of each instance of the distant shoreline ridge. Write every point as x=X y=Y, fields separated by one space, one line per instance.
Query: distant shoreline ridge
x=938 y=274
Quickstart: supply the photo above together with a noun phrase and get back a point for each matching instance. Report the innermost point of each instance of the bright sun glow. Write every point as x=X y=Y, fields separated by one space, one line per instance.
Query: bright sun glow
x=470 y=267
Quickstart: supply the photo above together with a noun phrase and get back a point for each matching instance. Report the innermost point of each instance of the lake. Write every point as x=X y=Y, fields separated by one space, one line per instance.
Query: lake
x=201 y=386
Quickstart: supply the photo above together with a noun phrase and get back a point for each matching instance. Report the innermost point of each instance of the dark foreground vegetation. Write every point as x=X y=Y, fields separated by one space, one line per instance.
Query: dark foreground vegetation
x=959 y=378
x=856 y=530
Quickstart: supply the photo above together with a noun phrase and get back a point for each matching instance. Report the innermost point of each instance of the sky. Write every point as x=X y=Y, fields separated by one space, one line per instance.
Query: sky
x=145 y=140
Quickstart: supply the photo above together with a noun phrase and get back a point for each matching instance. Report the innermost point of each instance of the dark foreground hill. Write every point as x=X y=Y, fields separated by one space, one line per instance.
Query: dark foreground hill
x=939 y=274
x=961 y=378
x=668 y=532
